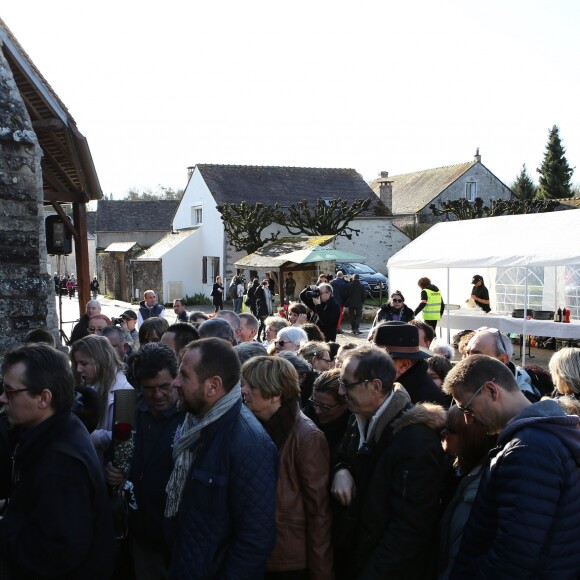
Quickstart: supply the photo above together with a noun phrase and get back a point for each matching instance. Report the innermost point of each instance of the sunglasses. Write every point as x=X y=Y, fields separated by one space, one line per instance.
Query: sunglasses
x=495 y=331
x=281 y=343
x=396 y=300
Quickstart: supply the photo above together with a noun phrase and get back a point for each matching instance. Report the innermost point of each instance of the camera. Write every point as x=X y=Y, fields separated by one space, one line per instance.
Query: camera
x=313 y=293
x=117 y=321
x=240 y=279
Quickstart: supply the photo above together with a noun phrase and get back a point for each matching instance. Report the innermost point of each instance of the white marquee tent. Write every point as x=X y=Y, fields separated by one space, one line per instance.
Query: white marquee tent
x=512 y=248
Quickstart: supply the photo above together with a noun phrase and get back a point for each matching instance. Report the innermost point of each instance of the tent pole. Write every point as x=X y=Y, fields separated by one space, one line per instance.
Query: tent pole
x=526 y=303
x=448 y=312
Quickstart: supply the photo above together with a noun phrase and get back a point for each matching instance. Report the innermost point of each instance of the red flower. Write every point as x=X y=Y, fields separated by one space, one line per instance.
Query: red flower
x=122 y=431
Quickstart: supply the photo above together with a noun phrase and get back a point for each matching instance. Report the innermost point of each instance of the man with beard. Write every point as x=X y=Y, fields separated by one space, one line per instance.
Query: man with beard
x=222 y=493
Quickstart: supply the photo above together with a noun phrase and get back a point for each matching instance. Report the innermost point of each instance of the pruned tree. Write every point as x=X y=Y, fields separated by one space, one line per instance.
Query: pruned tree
x=555 y=173
x=244 y=224
x=325 y=218
x=462 y=209
x=523 y=187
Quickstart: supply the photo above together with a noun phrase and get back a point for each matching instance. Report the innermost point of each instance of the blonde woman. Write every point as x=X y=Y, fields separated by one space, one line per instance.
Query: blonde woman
x=565 y=370
x=96 y=364
x=317 y=354
x=303 y=519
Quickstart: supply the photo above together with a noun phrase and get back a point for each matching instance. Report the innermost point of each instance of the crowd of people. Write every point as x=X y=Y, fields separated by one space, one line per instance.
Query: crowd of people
x=258 y=447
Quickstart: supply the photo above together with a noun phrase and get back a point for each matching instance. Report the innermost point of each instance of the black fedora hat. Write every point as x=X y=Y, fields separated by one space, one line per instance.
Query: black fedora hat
x=400 y=339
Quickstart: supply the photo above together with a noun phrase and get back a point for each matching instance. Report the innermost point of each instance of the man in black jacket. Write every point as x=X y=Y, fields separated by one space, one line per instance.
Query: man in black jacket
x=390 y=471
x=58 y=523
x=355 y=295
x=401 y=341
x=325 y=307
x=157 y=419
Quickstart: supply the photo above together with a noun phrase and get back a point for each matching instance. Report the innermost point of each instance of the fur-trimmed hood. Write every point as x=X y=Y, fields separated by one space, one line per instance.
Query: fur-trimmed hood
x=429 y=414
x=432 y=415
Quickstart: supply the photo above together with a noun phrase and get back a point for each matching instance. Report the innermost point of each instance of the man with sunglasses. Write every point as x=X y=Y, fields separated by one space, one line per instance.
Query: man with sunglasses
x=526 y=515
x=389 y=475
x=492 y=342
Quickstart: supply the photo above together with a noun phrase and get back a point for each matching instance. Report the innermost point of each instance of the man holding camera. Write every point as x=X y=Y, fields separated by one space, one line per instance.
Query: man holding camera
x=319 y=298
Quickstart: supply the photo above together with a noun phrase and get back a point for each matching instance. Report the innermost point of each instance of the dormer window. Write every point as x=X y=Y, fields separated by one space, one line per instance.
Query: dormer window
x=471 y=191
x=196 y=215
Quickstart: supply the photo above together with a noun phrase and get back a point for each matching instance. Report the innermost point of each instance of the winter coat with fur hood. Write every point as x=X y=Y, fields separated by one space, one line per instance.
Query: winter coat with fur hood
x=389 y=528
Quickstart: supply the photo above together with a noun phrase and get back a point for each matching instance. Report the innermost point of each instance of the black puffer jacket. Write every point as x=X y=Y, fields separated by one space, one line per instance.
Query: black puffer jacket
x=386 y=312
x=389 y=528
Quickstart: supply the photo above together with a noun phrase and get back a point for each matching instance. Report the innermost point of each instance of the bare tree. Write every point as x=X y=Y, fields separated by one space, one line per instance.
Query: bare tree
x=325 y=218
x=244 y=224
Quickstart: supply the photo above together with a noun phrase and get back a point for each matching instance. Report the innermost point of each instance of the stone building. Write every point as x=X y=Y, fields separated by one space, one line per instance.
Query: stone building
x=44 y=161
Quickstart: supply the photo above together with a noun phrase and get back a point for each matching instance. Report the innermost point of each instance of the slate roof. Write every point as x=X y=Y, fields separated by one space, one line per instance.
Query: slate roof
x=143 y=216
x=413 y=191
x=284 y=185
x=267 y=256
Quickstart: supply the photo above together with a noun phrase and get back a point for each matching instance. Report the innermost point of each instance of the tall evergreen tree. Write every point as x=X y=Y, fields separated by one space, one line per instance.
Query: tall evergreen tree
x=555 y=173
x=523 y=187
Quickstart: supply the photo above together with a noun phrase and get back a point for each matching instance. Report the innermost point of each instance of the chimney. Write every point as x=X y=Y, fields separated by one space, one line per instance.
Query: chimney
x=190 y=171
x=477 y=156
x=386 y=190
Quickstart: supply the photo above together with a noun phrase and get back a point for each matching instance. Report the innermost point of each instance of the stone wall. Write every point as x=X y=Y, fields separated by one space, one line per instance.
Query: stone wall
x=148 y=276
x=26 y=290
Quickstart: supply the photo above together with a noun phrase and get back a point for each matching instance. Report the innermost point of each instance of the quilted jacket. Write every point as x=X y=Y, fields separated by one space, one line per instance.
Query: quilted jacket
x=226 y=522
x=525 y=520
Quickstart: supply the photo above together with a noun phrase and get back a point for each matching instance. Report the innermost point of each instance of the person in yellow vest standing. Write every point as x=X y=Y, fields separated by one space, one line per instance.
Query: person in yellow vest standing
x=432 y=304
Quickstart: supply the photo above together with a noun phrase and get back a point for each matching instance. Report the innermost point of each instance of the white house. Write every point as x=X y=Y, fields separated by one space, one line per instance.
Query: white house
x=209 y=253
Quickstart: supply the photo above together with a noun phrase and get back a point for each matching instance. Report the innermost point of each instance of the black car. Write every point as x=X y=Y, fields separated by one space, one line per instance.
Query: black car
x=374 y=282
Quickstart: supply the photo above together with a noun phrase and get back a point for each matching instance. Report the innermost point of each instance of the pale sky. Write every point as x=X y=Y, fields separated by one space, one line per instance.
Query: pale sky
x=156 y=87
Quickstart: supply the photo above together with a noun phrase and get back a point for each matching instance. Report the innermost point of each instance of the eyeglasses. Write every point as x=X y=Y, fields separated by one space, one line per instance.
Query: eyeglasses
x=396 y=300
x=318 y=405
x=466 y=409
x=495 y=331
x=353 y=384
x=326 y=360
x=10 y=392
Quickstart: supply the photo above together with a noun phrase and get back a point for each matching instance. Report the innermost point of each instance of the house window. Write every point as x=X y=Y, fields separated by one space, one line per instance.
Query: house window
x=210 y=268
x=197 y=215
x=470 y=191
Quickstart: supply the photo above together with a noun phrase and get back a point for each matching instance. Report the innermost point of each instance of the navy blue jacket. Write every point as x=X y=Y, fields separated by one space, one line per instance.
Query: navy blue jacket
x=58 y=523
x=525 y=520
x=150 y=471
x=226 y=520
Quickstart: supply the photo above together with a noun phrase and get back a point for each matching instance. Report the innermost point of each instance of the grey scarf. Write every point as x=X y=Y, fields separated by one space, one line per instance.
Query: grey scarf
x=187 y=436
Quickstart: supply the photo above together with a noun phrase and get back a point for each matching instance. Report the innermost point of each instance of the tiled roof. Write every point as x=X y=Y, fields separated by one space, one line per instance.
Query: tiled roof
x=413 y=191
x=143 y=216
x=284 y=185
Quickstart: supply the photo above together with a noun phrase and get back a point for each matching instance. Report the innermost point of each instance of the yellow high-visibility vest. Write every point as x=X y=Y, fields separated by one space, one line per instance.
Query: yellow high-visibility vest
x=432 y=310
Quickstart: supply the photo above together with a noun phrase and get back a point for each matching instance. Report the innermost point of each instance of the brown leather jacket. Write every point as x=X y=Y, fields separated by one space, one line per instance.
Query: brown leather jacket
x=303 y=516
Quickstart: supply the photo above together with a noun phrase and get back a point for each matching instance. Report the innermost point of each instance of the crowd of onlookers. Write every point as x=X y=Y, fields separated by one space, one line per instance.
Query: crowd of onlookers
x=259 y=447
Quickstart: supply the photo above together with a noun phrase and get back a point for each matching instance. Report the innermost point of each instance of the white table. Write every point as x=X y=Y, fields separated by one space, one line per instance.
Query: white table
x=467 y=319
